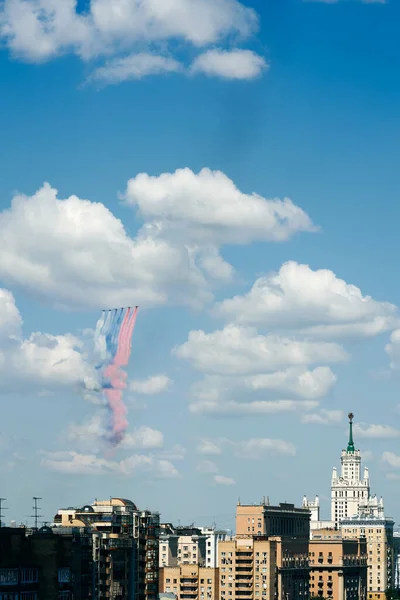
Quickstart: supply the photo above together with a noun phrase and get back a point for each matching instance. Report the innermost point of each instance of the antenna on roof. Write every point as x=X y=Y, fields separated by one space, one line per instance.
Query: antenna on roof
x=36 y=509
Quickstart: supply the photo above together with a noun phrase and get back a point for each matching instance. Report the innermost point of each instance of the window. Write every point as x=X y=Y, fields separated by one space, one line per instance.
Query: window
x=64 y=575
x=28 y=596
x=8 y=576
x=64 y=595
x=29 y=575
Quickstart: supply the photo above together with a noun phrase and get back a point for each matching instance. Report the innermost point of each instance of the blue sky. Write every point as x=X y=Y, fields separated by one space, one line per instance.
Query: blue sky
x=211 y=114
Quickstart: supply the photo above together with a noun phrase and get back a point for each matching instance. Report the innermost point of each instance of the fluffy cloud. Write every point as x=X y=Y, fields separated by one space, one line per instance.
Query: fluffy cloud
x=144 y=437
x=38 y=30
x=91 y=435
x=41 y=360
x=240 y=350
x=229 y=64
x=256 y=448
x=73 y=463
x=10 y=319
x=391 y=459
x=232 y=395
x=378 y=432
x=222 y=480
x=134 y=66
x=317 y=302
x=306 y=384
x=324 y=417
x=210 y=208
x=74 y=252
x=153 y=385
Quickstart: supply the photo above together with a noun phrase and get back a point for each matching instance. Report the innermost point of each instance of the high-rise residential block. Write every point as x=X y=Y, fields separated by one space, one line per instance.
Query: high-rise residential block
x=125 y=543
x=36 y=564
x=263 y=568
x=377 y=531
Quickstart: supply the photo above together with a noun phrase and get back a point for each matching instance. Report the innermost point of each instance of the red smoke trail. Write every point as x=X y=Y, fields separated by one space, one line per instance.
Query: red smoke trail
x=117 y=377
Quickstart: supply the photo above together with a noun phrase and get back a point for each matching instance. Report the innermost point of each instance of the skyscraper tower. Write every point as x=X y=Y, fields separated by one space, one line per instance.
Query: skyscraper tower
x=349 y=491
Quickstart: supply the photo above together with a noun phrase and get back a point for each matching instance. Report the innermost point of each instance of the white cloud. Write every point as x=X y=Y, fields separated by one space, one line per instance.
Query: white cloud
x=91 y=434
x=222 y=480
x=256 y=448
x=258 y=407
x=379 y=432
x=134 y=66
x=324 y=417
x=41 y=360
x=143 y=437
x=38 y=30
x=207 y=466
x=303 y=383
x=153 y=385
x=209 y=448
x=392 y=459
x=317 y=302
x=393 y=350
x=75 y=253
x=210 y=208
x=240 y=350
x=230 y=64
x=10 y=319
x=73 y=463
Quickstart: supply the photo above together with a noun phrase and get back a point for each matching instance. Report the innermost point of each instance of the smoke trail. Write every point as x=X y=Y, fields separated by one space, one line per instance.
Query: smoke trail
x=113 y=338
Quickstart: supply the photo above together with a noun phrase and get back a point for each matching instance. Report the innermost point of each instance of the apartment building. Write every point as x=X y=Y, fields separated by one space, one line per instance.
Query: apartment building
x=262 y=568
x=190 y=582
x=338 y=567
x=189 y=546
x=125 y=542
x=377 y=531
x=36 y=564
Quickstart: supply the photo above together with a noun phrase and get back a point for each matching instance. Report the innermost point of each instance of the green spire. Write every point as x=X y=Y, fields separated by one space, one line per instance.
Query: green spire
x=350 y=445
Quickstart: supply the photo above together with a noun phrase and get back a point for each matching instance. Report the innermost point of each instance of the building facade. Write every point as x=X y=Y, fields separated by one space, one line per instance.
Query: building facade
x=338 y=568
x=378 y=534
x=125 y=545
x=266 y=520
x=190 y=582
x=263 y=568
x=36 y=564
x=189 y=546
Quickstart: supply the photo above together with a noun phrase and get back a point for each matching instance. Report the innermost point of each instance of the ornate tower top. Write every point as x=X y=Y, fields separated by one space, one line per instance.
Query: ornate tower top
x=350 y=445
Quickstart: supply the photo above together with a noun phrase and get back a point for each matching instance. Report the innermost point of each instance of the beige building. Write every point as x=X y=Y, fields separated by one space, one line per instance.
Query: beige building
x=338 y=567
x=262 y=568
x=378 y=534
x=190 y=582
x=264 y=519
